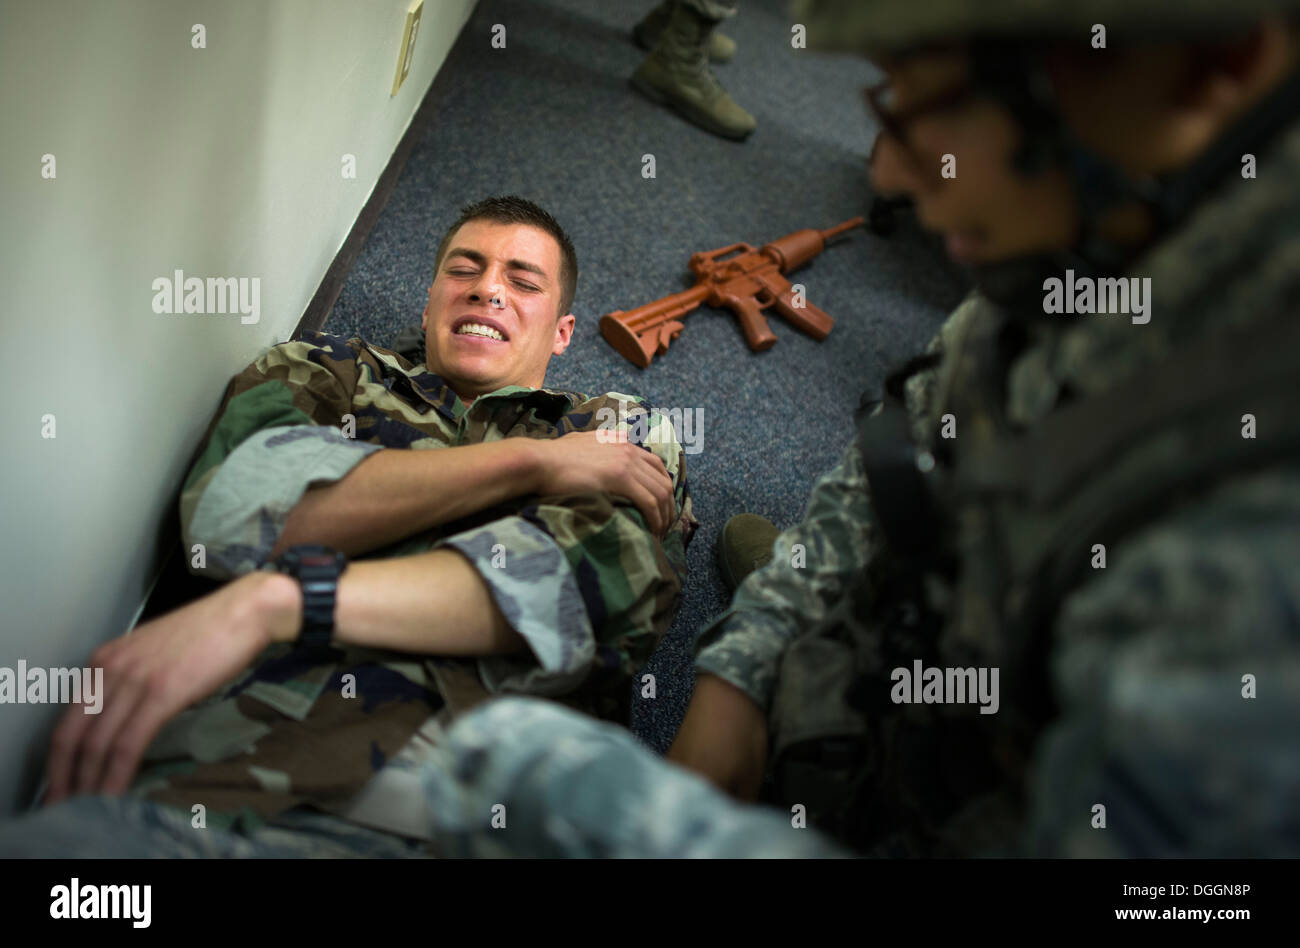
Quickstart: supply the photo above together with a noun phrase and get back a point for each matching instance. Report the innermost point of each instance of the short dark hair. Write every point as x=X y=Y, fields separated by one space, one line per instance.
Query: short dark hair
x=512 y=209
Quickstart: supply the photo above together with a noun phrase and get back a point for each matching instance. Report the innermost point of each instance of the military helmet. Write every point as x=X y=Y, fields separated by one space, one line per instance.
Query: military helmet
x=895 y=25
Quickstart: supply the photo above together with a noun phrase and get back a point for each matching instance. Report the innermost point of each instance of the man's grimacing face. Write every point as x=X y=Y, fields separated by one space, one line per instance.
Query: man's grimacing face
x=518 y=265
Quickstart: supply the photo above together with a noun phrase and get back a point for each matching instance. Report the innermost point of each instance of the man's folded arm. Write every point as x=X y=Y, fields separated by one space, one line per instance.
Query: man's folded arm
x=584 y=580
x=276 y=469
x=568 y=586
x=399 y=493
x=579 y=579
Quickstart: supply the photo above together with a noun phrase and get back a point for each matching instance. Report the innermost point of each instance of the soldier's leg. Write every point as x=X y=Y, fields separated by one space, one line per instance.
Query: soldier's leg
x=716 y=10
x=646 y=33
x=105 y=827
x=309 y=833
x=130 y=827
x=527 y=777
x=676 y=73
x=745 y=545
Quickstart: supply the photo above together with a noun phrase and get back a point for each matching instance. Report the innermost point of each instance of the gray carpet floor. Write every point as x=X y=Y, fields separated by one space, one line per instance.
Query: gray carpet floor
x=552 y=118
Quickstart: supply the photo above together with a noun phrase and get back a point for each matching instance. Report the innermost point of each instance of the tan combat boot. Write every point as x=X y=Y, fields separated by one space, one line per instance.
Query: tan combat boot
x=722 y=48
x=745 y=545
x=676 y=74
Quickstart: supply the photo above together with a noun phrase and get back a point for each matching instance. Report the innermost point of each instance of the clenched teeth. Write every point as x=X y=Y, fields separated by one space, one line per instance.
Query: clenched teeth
x=478 y=329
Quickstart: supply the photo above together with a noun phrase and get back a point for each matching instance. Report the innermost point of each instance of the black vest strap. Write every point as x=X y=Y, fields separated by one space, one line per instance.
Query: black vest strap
x=899 y=495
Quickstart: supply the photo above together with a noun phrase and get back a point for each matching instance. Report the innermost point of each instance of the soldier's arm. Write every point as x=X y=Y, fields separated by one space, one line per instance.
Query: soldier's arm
x=581 y=586
x=584 y=578
x=812 y=567
x=1160 y=724
x=723 y=735
x=276 y=437
x=816 y=562
x=276 y=469
x=568 y=585
x=399 y=493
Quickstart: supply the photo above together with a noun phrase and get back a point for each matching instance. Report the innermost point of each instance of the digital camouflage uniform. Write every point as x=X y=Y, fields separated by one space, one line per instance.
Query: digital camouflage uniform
x=579 y=577
x=1129 y=692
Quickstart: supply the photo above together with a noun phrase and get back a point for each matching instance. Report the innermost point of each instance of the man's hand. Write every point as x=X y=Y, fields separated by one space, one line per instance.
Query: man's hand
x=605 y=461
x=156 y=671
x=723 y=738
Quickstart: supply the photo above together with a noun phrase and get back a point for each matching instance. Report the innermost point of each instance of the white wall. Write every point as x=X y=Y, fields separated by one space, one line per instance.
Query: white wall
x=222 y=161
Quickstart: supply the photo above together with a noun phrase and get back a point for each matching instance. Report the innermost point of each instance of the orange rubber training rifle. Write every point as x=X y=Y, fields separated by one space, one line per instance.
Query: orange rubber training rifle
x=746 y=284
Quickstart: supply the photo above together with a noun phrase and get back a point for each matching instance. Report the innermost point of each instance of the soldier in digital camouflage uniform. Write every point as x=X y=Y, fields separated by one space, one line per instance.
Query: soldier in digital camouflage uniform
x=1103 y=507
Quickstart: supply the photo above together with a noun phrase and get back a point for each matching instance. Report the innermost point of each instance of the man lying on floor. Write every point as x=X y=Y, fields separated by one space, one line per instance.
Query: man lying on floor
x=511 y=559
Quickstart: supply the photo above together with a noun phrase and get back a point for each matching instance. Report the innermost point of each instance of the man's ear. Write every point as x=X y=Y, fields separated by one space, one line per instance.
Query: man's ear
x=424 y=317
x=563 y=333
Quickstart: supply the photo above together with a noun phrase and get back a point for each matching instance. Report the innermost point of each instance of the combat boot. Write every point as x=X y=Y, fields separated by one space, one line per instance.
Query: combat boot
x=676 y=74
x=722 y=48
x=745 y=545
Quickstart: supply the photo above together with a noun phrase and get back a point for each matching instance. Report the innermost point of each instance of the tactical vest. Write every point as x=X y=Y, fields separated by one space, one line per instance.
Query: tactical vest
x=984 y=537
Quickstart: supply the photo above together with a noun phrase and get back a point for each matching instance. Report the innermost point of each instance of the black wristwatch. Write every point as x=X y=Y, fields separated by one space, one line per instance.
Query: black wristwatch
x=317 y=569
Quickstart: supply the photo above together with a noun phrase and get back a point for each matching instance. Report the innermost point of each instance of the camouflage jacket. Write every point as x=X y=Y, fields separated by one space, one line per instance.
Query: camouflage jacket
x=1147 y=658
x=592 y=593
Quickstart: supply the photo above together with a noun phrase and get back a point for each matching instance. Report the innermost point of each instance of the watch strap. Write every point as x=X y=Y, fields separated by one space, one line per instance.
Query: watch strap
x=317 y=569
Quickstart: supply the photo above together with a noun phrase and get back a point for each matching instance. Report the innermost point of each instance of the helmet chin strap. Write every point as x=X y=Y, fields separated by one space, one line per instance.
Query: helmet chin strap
x=1008 y=73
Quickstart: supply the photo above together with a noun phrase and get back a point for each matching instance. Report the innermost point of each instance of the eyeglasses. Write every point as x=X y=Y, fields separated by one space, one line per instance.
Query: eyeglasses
x=881 y=100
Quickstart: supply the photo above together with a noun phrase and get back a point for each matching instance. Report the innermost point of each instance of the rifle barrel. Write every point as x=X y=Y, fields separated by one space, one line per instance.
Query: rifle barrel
x=841 y=228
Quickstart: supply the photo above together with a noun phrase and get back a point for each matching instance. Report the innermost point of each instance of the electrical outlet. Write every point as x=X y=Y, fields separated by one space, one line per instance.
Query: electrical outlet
x=413 y=15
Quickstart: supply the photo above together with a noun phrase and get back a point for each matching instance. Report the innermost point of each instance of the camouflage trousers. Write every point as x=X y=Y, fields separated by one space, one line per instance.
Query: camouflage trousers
x=131 y=827
x=515 y=777
x=522 y=777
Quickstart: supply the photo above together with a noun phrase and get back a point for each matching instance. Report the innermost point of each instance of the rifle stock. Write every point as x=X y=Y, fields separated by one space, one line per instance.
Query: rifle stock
x=645 y=332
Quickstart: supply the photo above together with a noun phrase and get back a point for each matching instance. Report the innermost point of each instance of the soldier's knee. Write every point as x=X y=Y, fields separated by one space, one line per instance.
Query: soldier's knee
x=517 y=717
